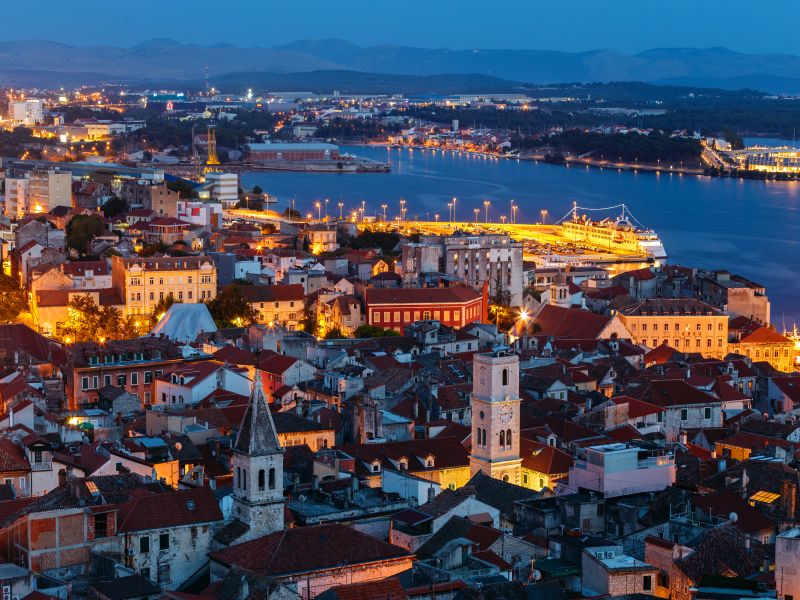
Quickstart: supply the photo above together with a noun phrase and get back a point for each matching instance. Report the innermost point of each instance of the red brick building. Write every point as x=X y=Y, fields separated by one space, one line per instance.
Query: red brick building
x=130 y=364
x=394 y=308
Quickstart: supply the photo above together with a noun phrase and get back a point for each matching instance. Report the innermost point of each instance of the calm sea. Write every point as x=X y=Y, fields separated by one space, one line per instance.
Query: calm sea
x=749 y=227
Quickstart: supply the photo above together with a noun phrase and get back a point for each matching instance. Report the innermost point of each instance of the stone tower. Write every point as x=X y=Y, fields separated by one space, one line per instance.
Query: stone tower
x=559 y=291
x=258 y=469
x=495 y=416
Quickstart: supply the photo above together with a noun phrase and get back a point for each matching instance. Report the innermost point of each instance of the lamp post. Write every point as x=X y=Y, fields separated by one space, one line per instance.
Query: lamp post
x=486 y=204
x=326 y=207
x=450 y=212
x=514 y=213
x=436 y=216
x=341 y=206
x=544 y=216
x=319 y=210
x=476 y=210
x=383 y=206
x=454 y=208
x=503 y=219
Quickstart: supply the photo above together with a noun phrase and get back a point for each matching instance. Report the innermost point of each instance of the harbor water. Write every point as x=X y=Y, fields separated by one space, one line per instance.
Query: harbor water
x=748 y=227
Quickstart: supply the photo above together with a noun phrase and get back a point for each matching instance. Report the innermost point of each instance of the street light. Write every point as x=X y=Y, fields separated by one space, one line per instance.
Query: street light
x=454 y=208
x=476 y=214
x=514 y=213
x=450 y=212
x=503 y=219
x=326 y=207
x=341 y=206
x=319 y=210
x=436 y=216
x=384 y=206
x=486 y=204
x=544 y=216
x=402 y=207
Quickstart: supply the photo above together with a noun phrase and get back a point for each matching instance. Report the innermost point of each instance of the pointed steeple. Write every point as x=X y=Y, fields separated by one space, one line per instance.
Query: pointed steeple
x=257 y=435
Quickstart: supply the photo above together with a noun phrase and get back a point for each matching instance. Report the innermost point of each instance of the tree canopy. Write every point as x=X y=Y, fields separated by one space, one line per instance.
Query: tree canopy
x=373 y=331
x=88 y=322
x=81 y=230
x=231 y=308
x=12 y=299
x=114 y=206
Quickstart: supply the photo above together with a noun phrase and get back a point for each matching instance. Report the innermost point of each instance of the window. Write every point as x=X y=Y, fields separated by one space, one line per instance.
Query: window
x=100 y=525
x=525 y=478
x=261 y=480
x=239 y=477
x=707 y=412
x=22 y=483
x=84 y=383
x=272 y=478
x=244 y=479
x=121 y=380
x=647 y=583
x=163 y=541
x=684 y=414
x=148 y=377
x=508 y=437
x=541 y=483
x=505 y=376
x=502 y=439
x=134 y=379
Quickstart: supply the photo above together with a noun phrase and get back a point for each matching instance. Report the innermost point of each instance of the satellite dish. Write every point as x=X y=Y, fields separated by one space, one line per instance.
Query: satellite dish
x=733 y=517
x=537 y=575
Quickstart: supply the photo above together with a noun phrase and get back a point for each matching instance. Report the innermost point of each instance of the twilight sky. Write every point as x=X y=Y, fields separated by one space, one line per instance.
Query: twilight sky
x=624 y=25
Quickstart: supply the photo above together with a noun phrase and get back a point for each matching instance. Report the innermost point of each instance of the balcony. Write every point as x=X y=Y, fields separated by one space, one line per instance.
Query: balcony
x=44 y=465
x=655 y=461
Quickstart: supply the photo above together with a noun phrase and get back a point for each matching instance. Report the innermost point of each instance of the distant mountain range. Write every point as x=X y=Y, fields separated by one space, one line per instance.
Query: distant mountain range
x=161 y=60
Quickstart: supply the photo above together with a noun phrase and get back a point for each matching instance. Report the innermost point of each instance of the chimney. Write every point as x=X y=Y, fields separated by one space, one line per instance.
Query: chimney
x=683 y=438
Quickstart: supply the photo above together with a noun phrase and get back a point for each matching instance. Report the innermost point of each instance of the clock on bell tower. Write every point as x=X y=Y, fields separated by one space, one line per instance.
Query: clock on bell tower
x=495 y=416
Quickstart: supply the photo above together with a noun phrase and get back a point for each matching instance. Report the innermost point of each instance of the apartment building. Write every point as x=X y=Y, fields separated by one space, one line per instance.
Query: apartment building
x=495 y=259
x=143 y=282
x=155 y=196
x=685 y=324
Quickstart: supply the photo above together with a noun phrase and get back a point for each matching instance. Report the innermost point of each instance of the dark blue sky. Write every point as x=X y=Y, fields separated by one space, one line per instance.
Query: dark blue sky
x=624 y=25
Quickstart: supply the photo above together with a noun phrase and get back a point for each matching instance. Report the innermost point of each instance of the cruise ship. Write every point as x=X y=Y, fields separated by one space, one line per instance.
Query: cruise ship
x=622 y=234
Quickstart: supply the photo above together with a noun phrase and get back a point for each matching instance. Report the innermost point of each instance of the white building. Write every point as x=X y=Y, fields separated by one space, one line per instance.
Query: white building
x=619 y=470
x=193 y=381
x=16 y=197
x=787 y=563
x=48 y=189
x=224 y=188
x=200 y=213
x=27 y=112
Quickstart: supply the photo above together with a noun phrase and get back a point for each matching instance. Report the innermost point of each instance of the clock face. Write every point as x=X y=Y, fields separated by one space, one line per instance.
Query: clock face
x=505 y=413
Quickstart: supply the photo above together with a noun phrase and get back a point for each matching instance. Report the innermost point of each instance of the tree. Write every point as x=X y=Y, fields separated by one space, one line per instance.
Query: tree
x=88 y=322
x=373 y=331
x=114 y=206
x=12 y=299
x=257 y=190
x=160 y=308
x=231 y=308
x=81 y=230
x=334 y=334
x=186 y=190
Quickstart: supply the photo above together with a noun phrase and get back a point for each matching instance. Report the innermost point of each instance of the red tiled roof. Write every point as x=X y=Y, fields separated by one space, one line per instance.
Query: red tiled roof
x=160 y=511
x=637 y=408
x=385 y=589
x=193 y=372
x=308 y=549
x=749 y=519
x=765 y=335
x=274 y=293
x=570 y=322
x=753 y=441
x=77 y=268
x=107 y=297
x=458 y=294
x=12 y=457
x=235 y=356
x=544 y=459
x=275 y=363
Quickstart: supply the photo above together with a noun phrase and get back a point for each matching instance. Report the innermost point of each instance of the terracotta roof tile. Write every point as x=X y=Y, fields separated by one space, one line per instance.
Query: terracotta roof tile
x=160 y=511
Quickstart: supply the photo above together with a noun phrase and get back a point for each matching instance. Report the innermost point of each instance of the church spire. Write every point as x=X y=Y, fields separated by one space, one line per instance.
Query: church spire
x=257 y=435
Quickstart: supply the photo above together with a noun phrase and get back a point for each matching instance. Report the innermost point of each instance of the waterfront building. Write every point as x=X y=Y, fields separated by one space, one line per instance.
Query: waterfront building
x=223 y=187
x=293 y=152
x=495 y=259
x=394 y=308
x=495 y=448
x=782 y=159
x=143 y=282
x=685 y=324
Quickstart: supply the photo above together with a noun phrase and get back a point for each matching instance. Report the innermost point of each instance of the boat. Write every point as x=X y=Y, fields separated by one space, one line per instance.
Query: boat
x=621 y=234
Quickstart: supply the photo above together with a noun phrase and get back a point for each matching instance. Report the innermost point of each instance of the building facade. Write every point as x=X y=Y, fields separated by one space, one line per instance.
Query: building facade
x=686 y=325
x=496 y=416
x=143 y=282
x=394 y=308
